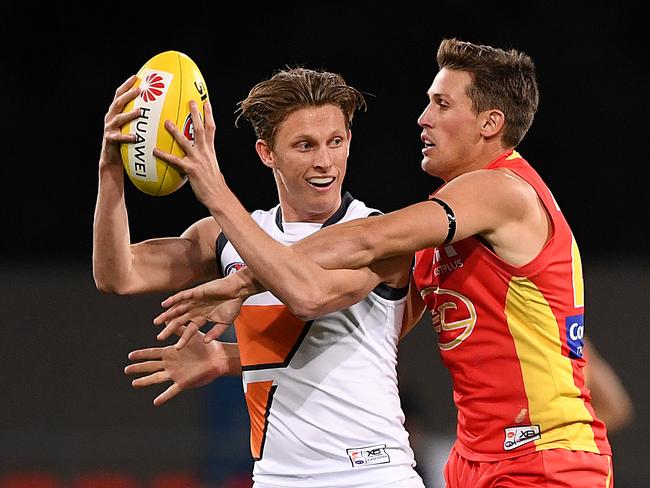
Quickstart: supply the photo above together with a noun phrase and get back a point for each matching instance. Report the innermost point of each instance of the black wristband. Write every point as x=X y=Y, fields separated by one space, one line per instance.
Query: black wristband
x=451 y=220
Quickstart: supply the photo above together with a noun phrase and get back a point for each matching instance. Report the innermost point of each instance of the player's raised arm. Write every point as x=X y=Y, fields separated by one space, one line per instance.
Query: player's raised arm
x=153 y=265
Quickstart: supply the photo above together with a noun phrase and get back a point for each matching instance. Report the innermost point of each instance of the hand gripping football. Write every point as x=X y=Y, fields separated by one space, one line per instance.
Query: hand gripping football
x=168 y=82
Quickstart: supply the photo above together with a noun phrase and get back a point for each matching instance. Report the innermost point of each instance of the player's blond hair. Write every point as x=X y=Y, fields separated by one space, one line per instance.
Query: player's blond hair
x=271 y=101
x=503 y=80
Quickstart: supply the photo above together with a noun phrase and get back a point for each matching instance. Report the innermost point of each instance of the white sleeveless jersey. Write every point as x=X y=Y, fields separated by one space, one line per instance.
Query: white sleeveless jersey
x=322 y=395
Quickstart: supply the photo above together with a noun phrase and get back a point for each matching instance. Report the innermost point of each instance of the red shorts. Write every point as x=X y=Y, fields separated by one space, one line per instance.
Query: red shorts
x=550 y=468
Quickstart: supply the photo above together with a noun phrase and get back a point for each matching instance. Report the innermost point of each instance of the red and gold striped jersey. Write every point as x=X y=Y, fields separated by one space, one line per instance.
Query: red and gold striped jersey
x=512 y=339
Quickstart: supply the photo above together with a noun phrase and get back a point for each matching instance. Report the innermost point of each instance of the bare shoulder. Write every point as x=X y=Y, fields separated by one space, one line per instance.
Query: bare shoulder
x=206 y=227
x=498 y=189
x=203 y=232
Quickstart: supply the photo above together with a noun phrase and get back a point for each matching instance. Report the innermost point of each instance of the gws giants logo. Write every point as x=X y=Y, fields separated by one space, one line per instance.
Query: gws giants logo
x=454 y=317
x=153 y=87
x=233 y=268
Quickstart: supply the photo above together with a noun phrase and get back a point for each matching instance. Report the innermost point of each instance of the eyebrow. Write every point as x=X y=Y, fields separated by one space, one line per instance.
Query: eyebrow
x=439 y=95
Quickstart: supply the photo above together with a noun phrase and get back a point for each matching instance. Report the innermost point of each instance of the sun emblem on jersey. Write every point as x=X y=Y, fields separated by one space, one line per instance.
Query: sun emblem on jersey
x=454 y=317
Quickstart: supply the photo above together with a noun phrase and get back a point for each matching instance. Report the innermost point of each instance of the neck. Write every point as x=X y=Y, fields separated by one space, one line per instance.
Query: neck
x=293 y=214
x=480 y=161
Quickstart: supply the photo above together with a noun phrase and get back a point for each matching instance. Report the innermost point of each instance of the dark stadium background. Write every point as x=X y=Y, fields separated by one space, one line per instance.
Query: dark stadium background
x=67 y=408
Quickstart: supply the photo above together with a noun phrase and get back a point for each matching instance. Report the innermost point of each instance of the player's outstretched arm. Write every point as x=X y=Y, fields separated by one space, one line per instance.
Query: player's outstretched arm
x=196 y=365
x=219 y=301
x=477 y=198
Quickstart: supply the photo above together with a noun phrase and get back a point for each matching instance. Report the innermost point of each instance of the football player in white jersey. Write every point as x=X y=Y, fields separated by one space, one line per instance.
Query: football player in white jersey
x=320 y=384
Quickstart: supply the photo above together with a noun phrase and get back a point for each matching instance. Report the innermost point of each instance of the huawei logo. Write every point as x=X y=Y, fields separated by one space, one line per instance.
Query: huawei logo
x=153 y=87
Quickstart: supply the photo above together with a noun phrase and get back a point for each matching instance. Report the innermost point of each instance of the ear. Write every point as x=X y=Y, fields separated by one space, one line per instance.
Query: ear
x=265 y=153
x=492 y=122
x=349 y=141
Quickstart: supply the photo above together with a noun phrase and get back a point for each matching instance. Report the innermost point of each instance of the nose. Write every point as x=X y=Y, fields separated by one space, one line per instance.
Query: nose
x=425 y=119
x=323 y=159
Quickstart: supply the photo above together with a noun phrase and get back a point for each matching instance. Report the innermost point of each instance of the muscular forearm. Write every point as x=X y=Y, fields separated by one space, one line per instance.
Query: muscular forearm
x=347 y=245
x=273 y=264
x=294 y=278
x=318 y=250
x=111 y=240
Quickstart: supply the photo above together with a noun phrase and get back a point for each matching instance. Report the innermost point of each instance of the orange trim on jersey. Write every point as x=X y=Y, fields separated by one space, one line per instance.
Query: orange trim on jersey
x=268 y=335
x=259 y=396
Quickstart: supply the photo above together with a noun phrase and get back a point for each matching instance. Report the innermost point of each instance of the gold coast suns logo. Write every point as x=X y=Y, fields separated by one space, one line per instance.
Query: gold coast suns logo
x=454 y=316
x=153 y=87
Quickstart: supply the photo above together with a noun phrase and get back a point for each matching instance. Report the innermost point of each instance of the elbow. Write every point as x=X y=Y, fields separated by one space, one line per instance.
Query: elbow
x=305 y=311
x=109 y=287
x=108 y=279
x=306 y=306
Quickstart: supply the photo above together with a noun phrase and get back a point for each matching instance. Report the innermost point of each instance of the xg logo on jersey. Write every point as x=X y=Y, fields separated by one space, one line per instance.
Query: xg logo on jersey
x=575 y=333
x=518 y=436
x=365 y=456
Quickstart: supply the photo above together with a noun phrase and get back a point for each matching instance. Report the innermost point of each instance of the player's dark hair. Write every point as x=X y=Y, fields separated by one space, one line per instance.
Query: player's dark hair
x=271 y=101
x=503 y=80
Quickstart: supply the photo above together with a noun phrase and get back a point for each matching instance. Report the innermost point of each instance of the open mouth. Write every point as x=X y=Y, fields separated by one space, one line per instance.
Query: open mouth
x=427 y=143
x=321 y=182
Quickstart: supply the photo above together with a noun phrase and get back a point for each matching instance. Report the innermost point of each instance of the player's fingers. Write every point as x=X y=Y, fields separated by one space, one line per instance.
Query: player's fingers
x=144 y=367
x=215 y=332
x=210 y=126
x=121 y=138
x=148 y=353
x=191 y=329
x=178 y=297
x=172 y=313
x=125 y=86
x=170 y=158
x=180 y=330
x=152 y=379
x=182 y=141
x=124 y=118
x=172 y=326
x=120 y=102
x=197 y=123
x=167 y=395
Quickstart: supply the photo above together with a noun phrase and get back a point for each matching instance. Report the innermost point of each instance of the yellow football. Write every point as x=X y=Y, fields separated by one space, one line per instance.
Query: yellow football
x=168 y=82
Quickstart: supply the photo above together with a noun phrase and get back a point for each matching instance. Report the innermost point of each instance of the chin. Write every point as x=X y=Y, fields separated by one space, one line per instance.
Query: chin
x=428 y=167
